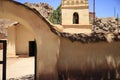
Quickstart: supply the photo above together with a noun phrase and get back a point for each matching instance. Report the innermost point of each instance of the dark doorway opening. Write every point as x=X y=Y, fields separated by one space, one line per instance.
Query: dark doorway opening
x=32 y=48
x=75 y=18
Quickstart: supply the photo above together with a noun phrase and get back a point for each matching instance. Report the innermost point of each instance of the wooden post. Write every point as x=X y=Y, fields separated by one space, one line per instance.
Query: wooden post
x=3 y=62
x=94 y=12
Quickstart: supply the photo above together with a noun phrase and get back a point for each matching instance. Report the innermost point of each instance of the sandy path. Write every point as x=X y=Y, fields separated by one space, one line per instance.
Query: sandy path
x=17 y=67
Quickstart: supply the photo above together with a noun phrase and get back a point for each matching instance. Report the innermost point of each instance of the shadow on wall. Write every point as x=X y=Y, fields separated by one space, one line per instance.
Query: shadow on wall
x=97 y=70
x=89 y=61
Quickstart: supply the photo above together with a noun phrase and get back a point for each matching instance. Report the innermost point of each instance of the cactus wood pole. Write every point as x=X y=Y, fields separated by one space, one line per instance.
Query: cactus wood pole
x=94 y=12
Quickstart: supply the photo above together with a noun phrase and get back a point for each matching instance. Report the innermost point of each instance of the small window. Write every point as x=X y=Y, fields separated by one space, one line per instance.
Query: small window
x=75 y=18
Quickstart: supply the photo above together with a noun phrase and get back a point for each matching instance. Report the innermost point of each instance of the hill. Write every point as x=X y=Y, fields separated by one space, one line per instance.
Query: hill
x=43 y=8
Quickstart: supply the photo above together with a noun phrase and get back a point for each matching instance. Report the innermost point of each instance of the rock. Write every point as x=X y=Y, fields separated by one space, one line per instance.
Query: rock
x=113 y=21
x=110 y=37
x=27 y=77
x=106 y=25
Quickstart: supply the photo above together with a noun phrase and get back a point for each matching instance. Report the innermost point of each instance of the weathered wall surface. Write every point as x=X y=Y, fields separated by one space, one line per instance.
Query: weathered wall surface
x=67 y=16
x=47 y=42
x=67 y=21
x=23 y=36
x=18 y=40
x=81 y=8
x=82 y=56
x=11 y=47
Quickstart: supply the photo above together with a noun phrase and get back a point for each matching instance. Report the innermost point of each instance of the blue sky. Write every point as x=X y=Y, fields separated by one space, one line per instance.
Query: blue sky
x=104 y=8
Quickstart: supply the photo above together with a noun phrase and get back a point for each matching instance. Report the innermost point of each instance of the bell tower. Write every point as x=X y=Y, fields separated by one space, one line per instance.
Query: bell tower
x=75 y=14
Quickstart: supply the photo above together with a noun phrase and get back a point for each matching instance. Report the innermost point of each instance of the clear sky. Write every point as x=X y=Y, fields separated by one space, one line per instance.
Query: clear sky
x=104 y=8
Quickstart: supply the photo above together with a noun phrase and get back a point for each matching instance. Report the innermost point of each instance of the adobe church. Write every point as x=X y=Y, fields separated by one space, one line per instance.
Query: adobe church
x=64 y=52
x=75 y=19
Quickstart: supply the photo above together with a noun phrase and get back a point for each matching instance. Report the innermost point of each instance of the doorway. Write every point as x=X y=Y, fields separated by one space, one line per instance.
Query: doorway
x=32 y=48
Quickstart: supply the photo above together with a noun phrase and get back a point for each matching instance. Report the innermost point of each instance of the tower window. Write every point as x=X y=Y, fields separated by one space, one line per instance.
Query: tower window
x=75 y=18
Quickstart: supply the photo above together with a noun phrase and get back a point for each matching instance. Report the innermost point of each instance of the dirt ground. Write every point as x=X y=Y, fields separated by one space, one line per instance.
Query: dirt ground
x=17 y=67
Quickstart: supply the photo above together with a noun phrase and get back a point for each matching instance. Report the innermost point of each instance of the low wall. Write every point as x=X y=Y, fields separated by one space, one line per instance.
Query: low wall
x=88 y=59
